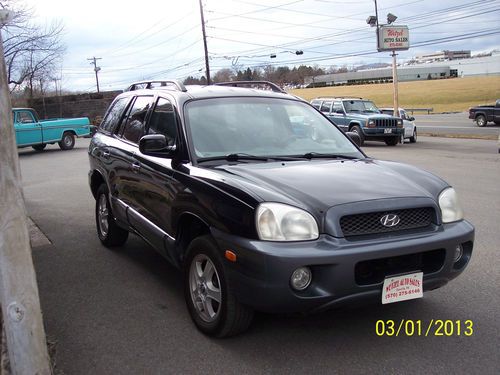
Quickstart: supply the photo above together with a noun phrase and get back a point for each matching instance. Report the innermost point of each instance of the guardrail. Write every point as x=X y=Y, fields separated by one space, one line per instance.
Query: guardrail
x=428 y=110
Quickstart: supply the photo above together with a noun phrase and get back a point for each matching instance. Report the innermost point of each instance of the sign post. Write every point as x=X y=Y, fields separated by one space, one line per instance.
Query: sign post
x=393 y=38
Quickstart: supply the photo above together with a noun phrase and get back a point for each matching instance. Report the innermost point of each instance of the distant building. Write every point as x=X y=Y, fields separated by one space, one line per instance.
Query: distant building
x=486 y=65
x=443 y=56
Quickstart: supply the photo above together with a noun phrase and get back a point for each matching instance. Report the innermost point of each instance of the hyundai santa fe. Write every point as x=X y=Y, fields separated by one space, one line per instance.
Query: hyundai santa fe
x=265 y=205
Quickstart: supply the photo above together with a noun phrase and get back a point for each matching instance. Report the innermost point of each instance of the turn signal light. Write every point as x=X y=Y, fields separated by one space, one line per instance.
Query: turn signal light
x=230 y=256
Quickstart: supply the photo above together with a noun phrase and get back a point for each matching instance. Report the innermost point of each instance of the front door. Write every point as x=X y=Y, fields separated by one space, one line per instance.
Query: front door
x=28 y=131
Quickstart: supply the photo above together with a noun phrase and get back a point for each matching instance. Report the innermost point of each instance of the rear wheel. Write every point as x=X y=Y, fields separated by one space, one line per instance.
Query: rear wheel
x=391 y=141
x=413 y=138
x=108 y=231
x=67 y=141
x=209 y=298
x=357 y=129
x=481 y=120
x=39 y=147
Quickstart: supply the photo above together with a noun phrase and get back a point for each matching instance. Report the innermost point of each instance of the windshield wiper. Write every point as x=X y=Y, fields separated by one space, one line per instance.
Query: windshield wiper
x=234 y=157
x=319 y=155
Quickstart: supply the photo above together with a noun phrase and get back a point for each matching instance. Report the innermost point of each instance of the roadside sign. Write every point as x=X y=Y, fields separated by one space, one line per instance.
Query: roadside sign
x=393 y=38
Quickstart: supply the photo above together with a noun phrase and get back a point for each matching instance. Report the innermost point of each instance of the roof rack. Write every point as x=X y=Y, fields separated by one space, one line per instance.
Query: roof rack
x=156 y=84
x=262 y=85
x=337 y=97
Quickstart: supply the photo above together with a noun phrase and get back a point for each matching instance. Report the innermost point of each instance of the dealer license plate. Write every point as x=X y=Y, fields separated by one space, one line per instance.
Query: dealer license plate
x=402 y=288
x=387 y=131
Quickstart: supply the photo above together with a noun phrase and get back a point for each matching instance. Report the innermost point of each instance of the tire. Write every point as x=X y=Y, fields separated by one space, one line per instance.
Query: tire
x=357 y=129
x=205 y=282
x=67 y=141
x=110 y=234
x=497 y=122
x=413 y=139
x=481 y=120
x=40 y=147
x=391 y=141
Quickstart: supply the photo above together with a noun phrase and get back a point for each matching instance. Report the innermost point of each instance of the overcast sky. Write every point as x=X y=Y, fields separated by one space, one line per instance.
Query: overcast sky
x=162 y=39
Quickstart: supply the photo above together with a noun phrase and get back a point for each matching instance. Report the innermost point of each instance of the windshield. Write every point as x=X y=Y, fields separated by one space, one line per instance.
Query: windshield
x=360 y=106
x=262 y=127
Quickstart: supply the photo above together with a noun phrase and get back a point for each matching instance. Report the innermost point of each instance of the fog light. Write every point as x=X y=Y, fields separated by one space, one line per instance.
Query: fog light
x=301 y=278
x=459 y=251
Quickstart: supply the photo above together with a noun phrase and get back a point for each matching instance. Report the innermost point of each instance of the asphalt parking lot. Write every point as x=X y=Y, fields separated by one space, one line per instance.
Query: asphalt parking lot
x=123 y=312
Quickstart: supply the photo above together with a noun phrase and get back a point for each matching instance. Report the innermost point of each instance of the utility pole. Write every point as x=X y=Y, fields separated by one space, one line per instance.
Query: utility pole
x=19 y=299
x=96 y=69
x=207 y=66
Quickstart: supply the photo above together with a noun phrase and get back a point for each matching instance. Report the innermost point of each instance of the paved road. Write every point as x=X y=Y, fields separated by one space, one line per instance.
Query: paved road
x=454 y=123
x=122 y=312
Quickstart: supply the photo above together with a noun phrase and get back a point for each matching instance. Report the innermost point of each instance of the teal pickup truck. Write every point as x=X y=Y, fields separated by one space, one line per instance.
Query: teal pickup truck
x=31 y=131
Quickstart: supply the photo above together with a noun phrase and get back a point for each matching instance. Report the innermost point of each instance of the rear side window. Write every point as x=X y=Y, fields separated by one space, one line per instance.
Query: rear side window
x=316 y=103
x=134 y=125
x=113 y=116
x=163 y=121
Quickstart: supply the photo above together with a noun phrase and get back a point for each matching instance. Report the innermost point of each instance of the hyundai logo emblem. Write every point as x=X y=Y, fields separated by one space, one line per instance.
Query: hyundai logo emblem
x=390 y=220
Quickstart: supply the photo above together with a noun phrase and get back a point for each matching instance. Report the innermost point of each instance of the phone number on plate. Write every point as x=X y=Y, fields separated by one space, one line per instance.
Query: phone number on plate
x=435 y=327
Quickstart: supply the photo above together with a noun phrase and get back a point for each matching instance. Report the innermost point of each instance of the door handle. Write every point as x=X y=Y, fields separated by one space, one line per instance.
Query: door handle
x=136 y=167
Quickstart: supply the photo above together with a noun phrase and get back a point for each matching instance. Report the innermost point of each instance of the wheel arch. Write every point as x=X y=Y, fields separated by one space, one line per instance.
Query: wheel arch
x=96 y=180
x=355 y=123
x=189 y=227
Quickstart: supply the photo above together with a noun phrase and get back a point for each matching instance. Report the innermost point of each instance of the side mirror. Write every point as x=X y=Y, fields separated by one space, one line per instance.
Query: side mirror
x=156 y=145
x=354 y=137
x=411 y=118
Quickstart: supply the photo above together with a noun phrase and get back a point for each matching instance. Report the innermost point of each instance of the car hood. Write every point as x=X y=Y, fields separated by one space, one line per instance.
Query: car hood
x=318 y=184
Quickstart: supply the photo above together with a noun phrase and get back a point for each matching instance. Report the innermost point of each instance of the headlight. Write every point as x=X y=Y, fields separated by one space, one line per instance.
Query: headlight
x=280 y=222
x=400 y=123
x=450 y=208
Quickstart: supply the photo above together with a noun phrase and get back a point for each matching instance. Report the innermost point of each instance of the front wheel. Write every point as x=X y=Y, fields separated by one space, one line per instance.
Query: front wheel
x=357 y=129
x=209 y=298
x=481 y=121
x=413 y=138
x=67 y=141
x=108 y=231
x=391 y=141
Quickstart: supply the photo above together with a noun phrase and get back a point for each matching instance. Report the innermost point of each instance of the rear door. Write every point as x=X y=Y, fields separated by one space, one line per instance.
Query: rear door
x=28 y=130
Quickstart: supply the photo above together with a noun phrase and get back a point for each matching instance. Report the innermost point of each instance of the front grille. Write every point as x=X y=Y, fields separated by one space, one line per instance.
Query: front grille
x=370 y=223
x=386 y=123
x=376 y=270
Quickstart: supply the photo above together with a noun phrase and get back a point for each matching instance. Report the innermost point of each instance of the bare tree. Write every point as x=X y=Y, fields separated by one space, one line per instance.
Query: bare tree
x=32 y=52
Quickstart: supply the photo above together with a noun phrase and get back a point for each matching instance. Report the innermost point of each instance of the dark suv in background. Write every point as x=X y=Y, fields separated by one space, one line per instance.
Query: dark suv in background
x=361 y=116
x=265 y=205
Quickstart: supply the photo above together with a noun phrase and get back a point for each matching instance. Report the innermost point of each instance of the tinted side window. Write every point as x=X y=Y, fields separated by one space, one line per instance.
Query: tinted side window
x=162 y=121
x=325 y=107
x=316 y=103
x=114 y=114
x=133 y=126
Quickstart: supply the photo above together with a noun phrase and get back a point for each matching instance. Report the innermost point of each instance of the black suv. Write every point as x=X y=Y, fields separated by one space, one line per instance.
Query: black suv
x=265 y=205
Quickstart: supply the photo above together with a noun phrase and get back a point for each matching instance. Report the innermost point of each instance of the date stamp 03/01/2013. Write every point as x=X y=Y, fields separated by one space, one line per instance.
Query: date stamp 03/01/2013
x=434 y=327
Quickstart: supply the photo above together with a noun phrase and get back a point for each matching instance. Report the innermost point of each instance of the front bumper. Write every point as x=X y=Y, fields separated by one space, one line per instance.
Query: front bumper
x=260 y=276
x=381 y=132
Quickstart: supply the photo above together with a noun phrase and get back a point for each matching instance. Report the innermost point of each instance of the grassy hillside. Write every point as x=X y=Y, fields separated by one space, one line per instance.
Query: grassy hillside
x=447 y=95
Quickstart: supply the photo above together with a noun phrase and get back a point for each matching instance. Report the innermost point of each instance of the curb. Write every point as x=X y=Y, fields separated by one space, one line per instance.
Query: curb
x=488 y=137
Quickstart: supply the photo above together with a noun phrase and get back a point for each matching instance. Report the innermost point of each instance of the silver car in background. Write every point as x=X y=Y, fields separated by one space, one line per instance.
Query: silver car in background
x=410 y=129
